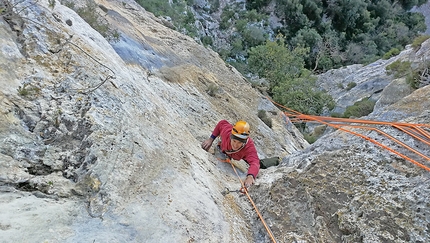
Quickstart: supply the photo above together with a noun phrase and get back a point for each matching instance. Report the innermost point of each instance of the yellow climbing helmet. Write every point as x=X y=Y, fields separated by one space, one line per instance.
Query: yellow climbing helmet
x=241 y=129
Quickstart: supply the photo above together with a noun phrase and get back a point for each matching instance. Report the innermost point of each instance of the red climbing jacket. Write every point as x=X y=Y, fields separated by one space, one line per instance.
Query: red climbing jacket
x=248 y=153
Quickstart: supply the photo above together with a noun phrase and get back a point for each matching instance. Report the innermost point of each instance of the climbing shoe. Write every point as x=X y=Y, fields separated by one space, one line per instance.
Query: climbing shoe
x=268 y=162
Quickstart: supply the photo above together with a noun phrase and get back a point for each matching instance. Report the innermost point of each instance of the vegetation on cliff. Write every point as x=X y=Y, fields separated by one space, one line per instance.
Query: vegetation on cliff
x=316 y=36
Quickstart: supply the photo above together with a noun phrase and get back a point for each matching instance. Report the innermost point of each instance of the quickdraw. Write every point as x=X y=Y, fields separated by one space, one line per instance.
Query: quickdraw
x=242 y=190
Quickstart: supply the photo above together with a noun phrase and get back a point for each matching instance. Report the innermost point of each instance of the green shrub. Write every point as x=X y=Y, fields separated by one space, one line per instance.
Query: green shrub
x=419 y=77
x=351 y=85
x=236 y=47
x=214 y=6
x=175 y=10
x=336 y=114
x=317 y=133
x=391 y=53
x=212 y=90
x=399 y=68
x=319 y=130
x=413 y=78
x=416 y=43
x=310 y=138
x=207 y=40
x=90 y=15
x=240 y=66
x=241 y=25
x=51 y=3
x=263 y=116
x=223 y=53
x=360 y=108
x=159 y=8
x=253 y=36
x=226 y=17
x=256 y=4
x=28 y=91
x=254 y=16
x=291 y=85
x=68 y=4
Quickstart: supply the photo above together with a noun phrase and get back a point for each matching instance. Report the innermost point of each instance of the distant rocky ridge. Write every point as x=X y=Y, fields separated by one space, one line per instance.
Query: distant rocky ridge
x=370 y=80
x=100 y=142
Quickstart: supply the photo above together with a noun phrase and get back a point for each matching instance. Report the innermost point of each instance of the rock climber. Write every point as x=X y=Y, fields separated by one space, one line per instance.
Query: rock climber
x=235 y=144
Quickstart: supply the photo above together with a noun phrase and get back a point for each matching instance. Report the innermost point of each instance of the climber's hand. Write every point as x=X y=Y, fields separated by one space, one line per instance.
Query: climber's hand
x=207 y=144
x=249 y=181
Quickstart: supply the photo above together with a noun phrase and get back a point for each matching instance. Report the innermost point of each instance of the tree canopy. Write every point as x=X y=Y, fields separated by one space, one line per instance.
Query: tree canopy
x=368 y=28
x=291 y=84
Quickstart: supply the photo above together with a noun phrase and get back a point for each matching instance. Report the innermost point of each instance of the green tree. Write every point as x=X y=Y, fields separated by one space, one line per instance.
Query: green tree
x=226 y=17
x=253 y=36
x=348 y=16
x=313 y=11
x=253 y=16
x=329 y=53
x=414 y=21
x=237 y=47
x=293 y=16
x=408 y=4
x=383 y=10
x=308 y=38
x=241 y=25
x=214 y=6
x=276 y=62
x=290 y=83
x=256 y=4
x=301 y=94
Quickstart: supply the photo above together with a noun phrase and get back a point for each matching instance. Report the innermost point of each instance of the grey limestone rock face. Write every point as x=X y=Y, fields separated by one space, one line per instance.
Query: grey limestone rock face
x=100 y=142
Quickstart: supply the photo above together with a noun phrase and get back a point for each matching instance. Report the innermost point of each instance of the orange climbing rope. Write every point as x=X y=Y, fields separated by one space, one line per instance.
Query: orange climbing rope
x=245 y=190
x=417 y=131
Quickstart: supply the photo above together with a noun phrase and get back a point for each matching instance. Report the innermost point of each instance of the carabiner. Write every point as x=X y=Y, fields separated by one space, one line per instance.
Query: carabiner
x=243 y=190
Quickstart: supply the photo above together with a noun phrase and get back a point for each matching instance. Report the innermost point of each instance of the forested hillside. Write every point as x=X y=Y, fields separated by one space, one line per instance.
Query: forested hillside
x=336 y=33
x=259 y=37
